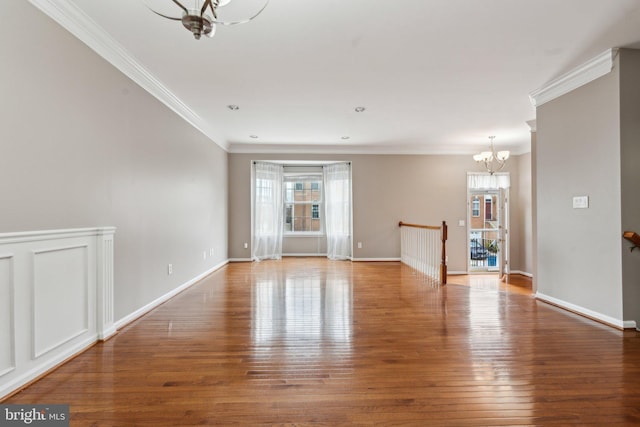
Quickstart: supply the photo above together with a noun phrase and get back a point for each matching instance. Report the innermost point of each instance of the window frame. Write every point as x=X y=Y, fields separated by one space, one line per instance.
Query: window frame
x=475 y=208
x=305 y=177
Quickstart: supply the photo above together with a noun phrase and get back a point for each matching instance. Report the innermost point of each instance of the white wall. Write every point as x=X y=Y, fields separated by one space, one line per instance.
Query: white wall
x=84 y=146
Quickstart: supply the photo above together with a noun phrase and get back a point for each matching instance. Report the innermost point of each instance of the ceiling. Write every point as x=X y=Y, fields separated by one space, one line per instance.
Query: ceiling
x=435 y=76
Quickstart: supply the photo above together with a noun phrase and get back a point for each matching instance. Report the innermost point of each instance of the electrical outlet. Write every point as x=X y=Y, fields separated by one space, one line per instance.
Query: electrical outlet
x=211 y=252
x=170 y=269
x=246 y=245
x=204 y=255
x=359 y=245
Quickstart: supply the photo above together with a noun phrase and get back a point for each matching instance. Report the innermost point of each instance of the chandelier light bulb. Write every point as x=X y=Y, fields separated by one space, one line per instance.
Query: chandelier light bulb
x=503 y=155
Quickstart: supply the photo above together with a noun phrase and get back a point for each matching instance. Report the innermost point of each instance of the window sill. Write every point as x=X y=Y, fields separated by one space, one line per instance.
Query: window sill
x=304 y=235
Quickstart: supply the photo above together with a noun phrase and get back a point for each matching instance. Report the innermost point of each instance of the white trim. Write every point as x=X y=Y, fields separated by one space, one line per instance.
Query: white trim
x=74 y=20
x=457 y=273
x=522 y=273
x=40 y=369
x=164 y=298
x=30 y=236
x=374 y=259
x=622 y=324
x=580 y=76
x=533 y=125
x=240 y=260
x=332 y=150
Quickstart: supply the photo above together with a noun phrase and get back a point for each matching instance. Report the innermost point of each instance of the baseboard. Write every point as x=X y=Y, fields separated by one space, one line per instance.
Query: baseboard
x=522 y=273
x=164 y=298
x=374 y=259
x=456 y=273
x=240 y=260
x=593 y=315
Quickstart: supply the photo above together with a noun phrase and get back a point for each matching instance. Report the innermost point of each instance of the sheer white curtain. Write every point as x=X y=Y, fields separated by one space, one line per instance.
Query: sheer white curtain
x=337 y=193
x=267 y=211
x=483 y=181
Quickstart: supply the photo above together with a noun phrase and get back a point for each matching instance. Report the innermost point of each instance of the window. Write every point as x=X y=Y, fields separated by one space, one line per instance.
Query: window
x=475 y=208
x=302 y=203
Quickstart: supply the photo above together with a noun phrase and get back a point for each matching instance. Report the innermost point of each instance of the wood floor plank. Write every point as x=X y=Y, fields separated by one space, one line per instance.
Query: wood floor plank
x=315 y=342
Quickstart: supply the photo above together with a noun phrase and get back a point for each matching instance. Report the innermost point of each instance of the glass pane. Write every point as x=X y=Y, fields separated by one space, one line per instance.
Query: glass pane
x=288 y=191
x=303 y=205
x=303 y=218
x=288 y=217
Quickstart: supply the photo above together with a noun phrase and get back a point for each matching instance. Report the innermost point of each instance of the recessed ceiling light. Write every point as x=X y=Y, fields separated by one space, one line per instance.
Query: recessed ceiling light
x=345 y=137
x=233 y=107
x=360 y=109
x=253 y=136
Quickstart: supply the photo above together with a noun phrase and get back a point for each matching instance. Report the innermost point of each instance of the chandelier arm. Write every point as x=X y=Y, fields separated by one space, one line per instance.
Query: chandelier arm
x=211 y=5
x=204 y=6
x=181 y=6
x=244 y=20
x=165 y=16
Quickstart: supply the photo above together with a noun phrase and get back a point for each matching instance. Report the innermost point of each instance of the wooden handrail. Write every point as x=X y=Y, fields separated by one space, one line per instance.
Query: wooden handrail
x=444 y=235
x=633 y=237
x=428 y=227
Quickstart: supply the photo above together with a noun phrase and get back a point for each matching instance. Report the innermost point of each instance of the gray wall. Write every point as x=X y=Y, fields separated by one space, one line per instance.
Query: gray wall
x=521 y=206
x=386 y=189
x=84 y=146
x=578 y=154
x=630 y=177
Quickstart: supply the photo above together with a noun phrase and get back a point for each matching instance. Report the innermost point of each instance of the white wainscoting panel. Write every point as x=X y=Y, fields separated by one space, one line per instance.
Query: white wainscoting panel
x=60 y=296
x=56 y=299
x=7 y=337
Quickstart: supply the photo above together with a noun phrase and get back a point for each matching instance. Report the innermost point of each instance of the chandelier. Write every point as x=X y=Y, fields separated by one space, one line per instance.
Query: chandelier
x=197 y=19
x=493 y=162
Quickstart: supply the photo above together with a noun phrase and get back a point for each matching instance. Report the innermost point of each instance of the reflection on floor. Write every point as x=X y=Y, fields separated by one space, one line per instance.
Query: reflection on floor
x=514 y=283
x=315 y=342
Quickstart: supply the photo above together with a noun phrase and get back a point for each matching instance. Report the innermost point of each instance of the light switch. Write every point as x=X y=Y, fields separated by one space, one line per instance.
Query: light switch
x=461 y=222
x=580 y=202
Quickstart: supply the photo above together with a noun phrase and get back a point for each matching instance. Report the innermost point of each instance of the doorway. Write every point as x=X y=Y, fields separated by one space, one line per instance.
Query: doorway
x=487 y=219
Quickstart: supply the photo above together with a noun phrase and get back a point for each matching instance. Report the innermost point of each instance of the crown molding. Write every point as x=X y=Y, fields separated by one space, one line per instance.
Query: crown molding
x=74 y=20
x=532 y=125
x=239 y=148
x=579 y=76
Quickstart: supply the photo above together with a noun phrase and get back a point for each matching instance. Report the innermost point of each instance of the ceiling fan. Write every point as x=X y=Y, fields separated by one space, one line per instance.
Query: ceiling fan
x=196 y=19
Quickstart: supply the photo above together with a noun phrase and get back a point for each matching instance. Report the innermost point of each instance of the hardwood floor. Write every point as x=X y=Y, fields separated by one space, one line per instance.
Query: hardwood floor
x=316 y=342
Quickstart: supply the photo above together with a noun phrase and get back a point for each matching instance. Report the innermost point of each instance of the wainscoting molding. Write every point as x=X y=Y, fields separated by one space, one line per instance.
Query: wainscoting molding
x=594 y=315
x=56 y=299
